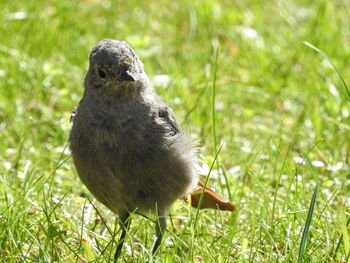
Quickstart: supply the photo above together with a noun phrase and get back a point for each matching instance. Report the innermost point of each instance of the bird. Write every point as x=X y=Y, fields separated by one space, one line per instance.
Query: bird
x=127 y=145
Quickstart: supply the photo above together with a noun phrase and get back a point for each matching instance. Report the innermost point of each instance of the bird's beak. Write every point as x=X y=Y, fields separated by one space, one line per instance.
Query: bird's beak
x=127 y=75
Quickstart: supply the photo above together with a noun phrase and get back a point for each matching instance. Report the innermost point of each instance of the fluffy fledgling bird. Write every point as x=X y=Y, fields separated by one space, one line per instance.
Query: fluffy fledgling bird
x=126 y=144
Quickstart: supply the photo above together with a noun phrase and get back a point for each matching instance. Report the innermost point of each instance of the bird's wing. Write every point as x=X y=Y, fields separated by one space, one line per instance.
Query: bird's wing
x=167 y=115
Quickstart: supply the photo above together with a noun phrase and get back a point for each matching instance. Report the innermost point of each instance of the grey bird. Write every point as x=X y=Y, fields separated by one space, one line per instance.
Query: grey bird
x=126 y=143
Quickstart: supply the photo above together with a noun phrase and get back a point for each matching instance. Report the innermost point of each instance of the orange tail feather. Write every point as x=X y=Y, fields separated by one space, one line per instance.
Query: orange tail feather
x=211 y=199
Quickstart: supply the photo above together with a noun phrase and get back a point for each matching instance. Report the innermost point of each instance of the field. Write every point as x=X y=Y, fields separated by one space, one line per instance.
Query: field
x=261 y=85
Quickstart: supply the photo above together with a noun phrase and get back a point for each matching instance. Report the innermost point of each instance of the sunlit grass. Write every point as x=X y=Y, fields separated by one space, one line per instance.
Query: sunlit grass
x=265 y=81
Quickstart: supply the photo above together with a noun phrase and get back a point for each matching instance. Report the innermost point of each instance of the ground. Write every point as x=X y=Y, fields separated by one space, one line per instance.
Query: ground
x=262 y=85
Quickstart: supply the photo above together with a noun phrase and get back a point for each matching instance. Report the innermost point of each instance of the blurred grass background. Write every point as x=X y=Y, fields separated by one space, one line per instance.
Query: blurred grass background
x=239 y=74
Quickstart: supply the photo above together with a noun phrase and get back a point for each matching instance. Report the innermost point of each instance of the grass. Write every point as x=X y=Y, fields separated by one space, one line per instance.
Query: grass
x=265 y=81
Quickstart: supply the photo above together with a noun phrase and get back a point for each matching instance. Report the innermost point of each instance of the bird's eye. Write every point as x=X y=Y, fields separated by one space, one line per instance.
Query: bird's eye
x=101 y=73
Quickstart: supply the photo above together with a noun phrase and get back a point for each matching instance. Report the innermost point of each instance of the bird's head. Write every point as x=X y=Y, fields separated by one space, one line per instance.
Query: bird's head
x=115 y=69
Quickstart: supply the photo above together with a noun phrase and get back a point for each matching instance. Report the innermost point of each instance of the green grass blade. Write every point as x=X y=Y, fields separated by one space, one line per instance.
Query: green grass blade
x=307 y=225
x=324 y=55
x=216 y=54
x=345 y=233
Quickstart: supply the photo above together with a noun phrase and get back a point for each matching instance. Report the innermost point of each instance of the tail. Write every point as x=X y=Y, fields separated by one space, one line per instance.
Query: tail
x=210 y=199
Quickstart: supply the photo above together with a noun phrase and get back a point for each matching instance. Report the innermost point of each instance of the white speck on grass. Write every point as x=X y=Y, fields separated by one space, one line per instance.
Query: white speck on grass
x=308 y=123
x=264 y=157
x=181 y=217
x=303 y=12
x=246 y=149
x=251 y=34
x=203 y=168
x=21 y=175
x=290 y=105
x=20 y=107
x=336 y=167
x=25 y=245
x=169 y=242
x=2 y=73
x=11 y=51
x=16 y=16
x=11 y=150
x=128 y=248
x=234 y=170
x=57 y=178
x=27 y=165
x=347 y=199
x=326 y=63
x=7 y=165
x=345 y=113
x=161 y=80
x=88 y=212
x=317 y=163
x=333 y=90
x=23 y=65
x=298 y=160
x=219 y=106
x=299 y=177
x=177 y=101
x=337 y=181
x=64 y=150
x=214 y=174
x=248 y=32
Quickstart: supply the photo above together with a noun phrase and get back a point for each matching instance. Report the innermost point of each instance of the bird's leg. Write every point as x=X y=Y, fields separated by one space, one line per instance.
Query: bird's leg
x=160 y=229
x=125 y=222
